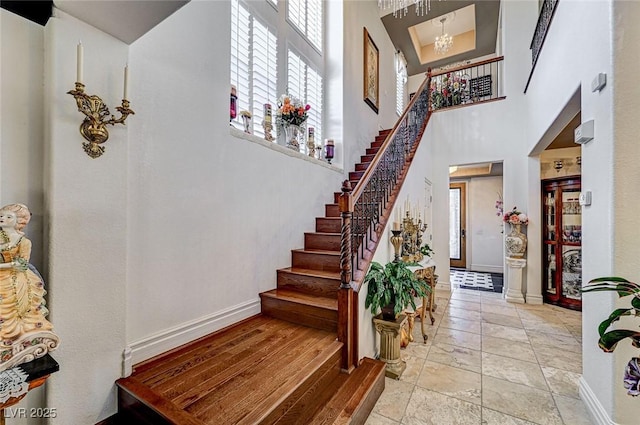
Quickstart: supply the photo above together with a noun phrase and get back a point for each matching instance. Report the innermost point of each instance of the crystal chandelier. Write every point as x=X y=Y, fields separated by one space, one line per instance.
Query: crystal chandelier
x=401 y=7
x=443 y=42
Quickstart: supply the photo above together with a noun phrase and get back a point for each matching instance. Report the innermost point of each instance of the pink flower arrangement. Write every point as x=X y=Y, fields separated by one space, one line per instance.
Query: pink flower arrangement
x=291 y=111
x=515 y=217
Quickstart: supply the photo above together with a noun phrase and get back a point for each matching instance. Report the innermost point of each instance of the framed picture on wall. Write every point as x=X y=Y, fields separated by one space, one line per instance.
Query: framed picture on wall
x=371 y=72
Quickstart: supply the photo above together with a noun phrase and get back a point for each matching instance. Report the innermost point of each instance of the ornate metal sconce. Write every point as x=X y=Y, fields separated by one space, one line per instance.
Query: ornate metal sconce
x=94 y=125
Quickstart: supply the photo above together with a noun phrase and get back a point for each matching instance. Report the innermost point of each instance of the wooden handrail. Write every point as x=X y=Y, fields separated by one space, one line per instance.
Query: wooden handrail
x=366 y=177
x=366 y=207
x=471 y=65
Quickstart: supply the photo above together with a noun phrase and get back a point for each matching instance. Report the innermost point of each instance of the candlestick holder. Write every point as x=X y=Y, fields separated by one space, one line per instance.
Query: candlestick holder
x=412 y=239
x=94 y=126
x=396 y=241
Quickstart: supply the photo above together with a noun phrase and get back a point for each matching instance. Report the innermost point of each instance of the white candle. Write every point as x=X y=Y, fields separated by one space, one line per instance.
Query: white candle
x=79 y=59
x=396 y=225
x=126 y=82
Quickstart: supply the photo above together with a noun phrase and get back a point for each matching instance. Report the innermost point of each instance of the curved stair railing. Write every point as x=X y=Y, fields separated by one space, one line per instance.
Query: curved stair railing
x=366 y=208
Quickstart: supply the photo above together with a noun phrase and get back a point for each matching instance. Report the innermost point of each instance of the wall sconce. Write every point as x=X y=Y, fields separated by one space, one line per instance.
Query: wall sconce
x=94 y=126
x=579 y=161
x=557 y=164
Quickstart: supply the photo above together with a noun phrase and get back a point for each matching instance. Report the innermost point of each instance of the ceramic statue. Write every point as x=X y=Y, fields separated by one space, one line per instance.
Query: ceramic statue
x=25 y=333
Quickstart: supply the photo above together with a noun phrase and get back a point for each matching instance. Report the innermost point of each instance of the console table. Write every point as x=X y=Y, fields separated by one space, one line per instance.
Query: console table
x=425 y=271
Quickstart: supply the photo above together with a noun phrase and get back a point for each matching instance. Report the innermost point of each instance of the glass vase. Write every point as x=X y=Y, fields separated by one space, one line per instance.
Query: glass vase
x=293 y=135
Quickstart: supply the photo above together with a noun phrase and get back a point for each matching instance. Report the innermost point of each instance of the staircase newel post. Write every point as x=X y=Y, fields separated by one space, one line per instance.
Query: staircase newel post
x=345 y=294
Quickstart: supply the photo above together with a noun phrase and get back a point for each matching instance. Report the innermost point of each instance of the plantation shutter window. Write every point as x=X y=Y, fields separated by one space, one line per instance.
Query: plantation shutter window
x=307 y=17
x=253 y=66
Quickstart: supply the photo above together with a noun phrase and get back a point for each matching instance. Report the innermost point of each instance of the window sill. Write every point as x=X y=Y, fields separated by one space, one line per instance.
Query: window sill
x=276 y=147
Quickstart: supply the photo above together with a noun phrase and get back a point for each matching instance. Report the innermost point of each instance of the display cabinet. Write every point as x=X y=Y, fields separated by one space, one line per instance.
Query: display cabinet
x=562 y=242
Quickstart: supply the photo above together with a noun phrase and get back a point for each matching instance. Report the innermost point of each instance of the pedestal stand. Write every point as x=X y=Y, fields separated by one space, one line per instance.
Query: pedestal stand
x=514 y=277
x=390 y=344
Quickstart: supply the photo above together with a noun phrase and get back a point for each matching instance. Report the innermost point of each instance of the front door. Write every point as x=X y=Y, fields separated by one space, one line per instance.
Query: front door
x=457 y=225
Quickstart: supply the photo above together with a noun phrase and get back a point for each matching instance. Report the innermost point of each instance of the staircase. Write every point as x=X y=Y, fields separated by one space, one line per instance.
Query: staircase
x=307 y=292
x=283 y=366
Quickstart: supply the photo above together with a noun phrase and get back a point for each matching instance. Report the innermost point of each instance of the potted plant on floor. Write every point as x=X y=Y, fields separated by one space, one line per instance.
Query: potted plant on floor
x=611 y=336
x=392 y=288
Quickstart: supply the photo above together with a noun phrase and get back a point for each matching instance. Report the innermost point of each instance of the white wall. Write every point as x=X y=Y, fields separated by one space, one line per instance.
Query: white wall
x=21 y=141
x=212 y=216
x=485 y=237
x=87 y=214
x=361 y=123
x=570 y=59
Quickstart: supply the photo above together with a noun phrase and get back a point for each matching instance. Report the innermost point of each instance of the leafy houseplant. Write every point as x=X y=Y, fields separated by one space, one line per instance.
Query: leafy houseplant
x=394 y=284
x=609 y=339
x=426 y=250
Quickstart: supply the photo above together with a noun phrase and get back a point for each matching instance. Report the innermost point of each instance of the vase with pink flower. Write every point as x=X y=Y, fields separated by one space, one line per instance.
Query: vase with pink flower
x=515 y=241
x=291 y=116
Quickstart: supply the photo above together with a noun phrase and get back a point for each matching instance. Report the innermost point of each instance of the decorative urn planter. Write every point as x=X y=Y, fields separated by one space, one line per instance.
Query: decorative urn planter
x=516 y=242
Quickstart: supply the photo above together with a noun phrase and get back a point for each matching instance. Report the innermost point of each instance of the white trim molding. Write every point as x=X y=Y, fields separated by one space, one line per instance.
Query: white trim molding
x=174 y=337
x=595 y=409
x=485 y=268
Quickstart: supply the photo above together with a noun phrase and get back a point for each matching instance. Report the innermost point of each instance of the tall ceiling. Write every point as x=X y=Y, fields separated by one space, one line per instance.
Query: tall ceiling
x=474 y=27
x=124 y=20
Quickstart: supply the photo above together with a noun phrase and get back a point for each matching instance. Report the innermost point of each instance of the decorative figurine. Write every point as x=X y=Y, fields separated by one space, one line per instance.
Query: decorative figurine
x=25 y=334
x=311 y=145
x=267 y=124
x=246 y=121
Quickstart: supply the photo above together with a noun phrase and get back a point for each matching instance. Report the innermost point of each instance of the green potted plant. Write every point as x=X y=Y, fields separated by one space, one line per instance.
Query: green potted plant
x=392 y=288
x=609 y=338
x=426 y=250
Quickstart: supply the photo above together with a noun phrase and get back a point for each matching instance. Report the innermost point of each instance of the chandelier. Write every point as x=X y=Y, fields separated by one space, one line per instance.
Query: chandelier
x=444 y=42
x=401 y=7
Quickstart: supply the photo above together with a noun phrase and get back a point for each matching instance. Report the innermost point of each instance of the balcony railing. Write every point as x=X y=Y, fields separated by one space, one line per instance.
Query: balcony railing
x=547 y=11
x=466 y=85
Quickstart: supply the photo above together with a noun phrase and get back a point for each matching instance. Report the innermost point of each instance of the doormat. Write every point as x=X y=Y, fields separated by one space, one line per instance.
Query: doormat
x=472 y=280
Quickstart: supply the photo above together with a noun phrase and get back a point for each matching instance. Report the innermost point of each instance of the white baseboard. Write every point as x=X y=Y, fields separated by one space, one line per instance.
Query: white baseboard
x=486 y=268
x=174 y=337
x=595 y=409
x=534 y=299
x=443 y=286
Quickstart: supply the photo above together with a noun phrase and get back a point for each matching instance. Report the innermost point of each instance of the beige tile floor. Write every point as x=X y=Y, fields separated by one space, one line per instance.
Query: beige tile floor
x=488 y=362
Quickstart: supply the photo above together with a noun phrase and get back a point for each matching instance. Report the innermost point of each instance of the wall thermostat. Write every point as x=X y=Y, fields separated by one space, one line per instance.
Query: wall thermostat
x=583 y=133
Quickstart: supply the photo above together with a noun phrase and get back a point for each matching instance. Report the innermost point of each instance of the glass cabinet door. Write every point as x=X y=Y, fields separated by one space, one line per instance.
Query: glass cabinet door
x=561 y=242
x=571 y=241
x=550 y=270
x=550 y=216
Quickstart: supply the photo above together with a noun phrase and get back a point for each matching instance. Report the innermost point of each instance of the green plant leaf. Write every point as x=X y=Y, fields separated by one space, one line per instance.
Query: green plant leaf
x=609 y=340
x=615 y=316
x=622 y=286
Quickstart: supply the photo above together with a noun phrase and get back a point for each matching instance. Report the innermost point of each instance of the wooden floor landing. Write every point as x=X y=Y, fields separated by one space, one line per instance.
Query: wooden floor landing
x=263 y=370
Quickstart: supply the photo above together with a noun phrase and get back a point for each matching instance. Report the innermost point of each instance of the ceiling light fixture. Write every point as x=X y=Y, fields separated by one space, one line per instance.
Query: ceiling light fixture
x=401 y=7
x=443 y=42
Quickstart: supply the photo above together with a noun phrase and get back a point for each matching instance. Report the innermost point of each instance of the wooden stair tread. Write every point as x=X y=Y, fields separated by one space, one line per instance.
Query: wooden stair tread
x=317 y=251
x=301 y=297
x=235 y=385
x=315 y=273
x=349 y=393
